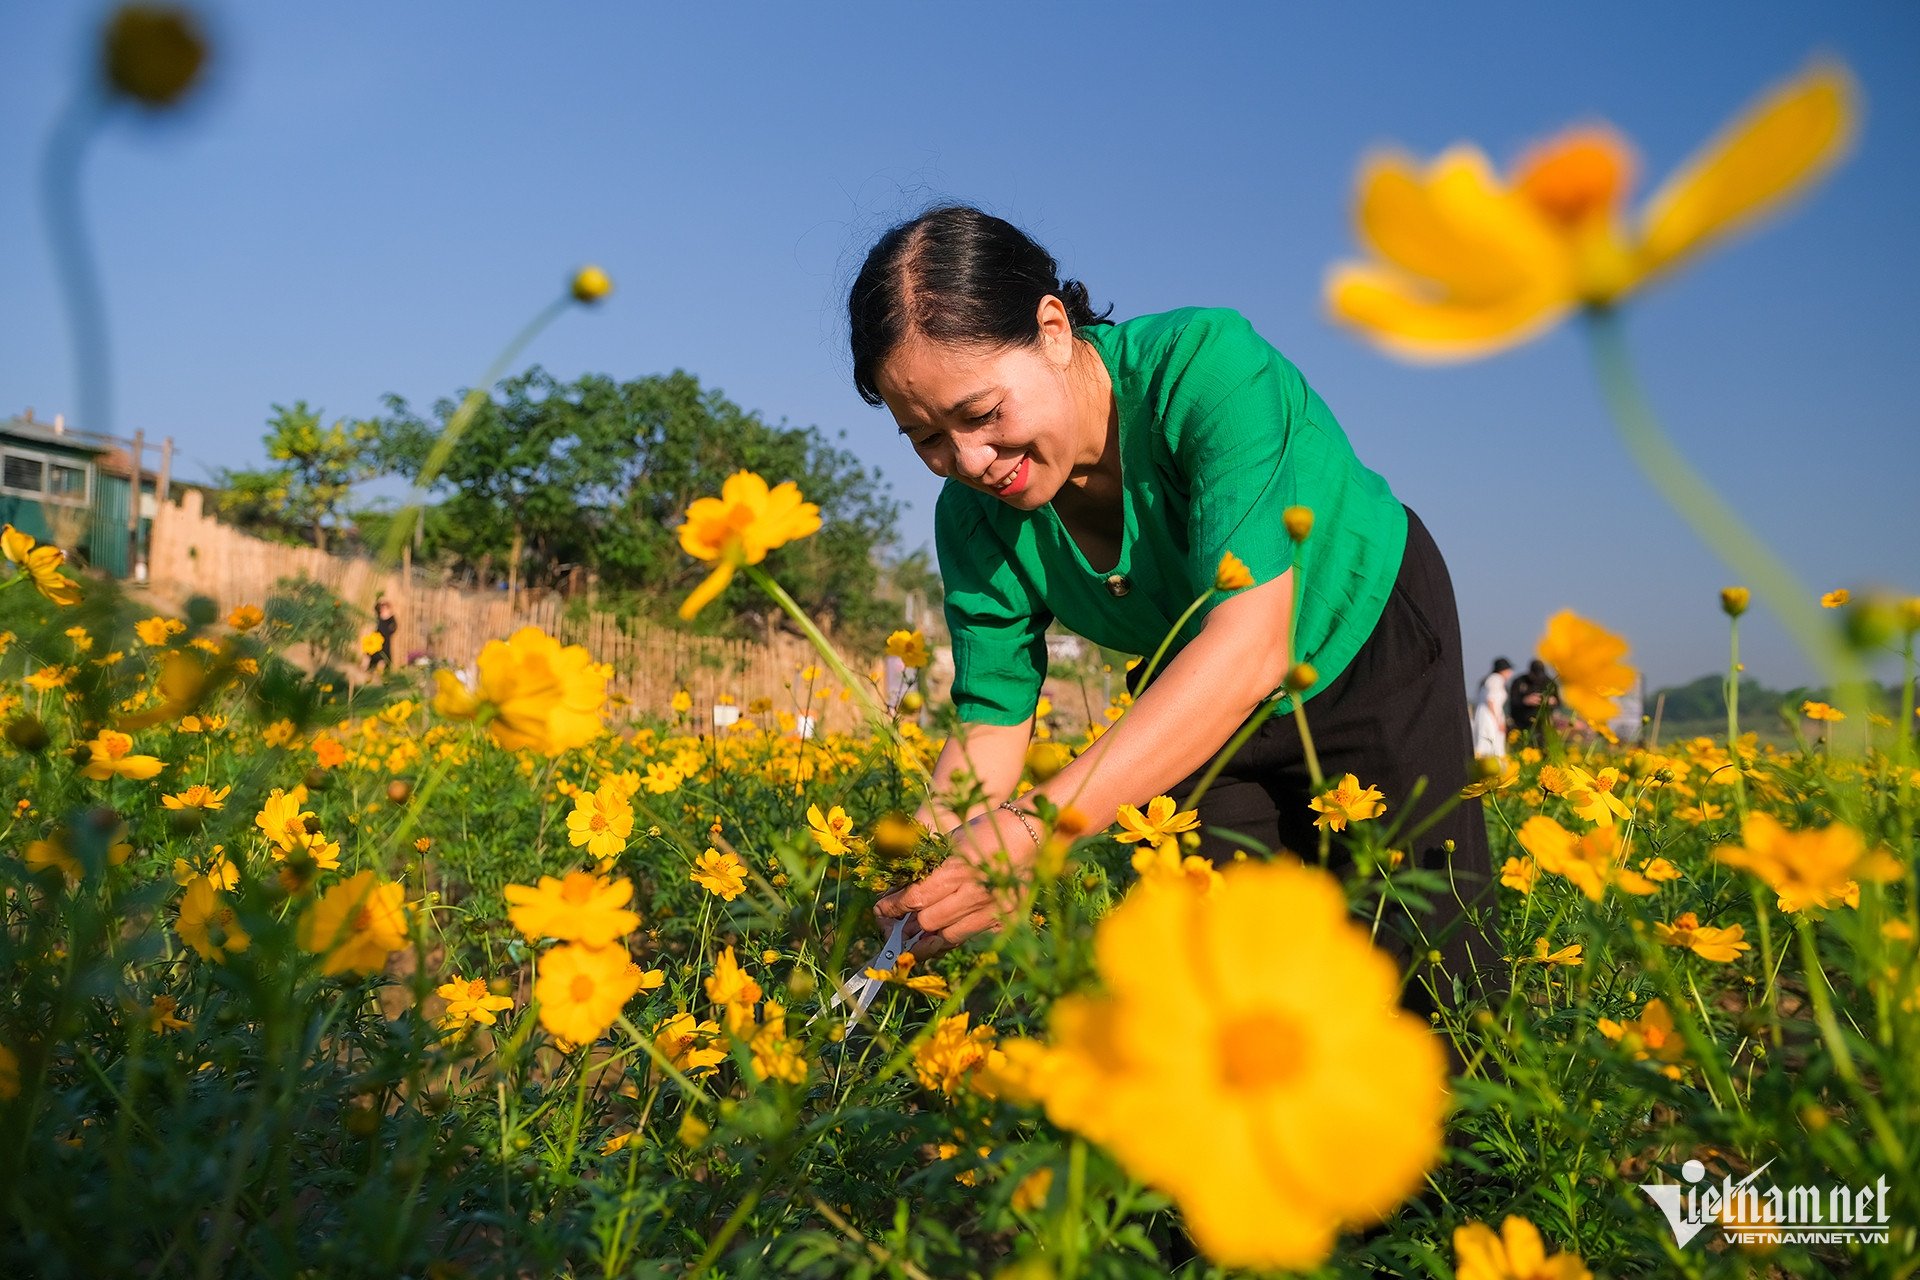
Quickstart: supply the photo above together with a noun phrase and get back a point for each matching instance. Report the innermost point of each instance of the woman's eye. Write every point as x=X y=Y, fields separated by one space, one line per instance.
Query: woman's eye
x=981 y=420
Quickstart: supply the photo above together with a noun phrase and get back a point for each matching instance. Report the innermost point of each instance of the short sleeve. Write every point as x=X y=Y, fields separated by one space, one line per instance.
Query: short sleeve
x=997 y=625
x=1233 y=417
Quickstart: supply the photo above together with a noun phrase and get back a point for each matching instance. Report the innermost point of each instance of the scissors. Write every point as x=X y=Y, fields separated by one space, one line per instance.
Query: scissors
x=859 y=990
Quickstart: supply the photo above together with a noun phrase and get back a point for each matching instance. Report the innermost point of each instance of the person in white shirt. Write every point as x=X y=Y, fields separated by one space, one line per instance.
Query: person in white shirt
x=1490 y=712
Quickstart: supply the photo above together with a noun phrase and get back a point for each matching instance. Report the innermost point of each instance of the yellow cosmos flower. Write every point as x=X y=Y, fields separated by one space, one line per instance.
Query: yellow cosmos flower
x=739 y=527
x=1517 y=1253
x=692 y=1046
x=246 y=617
x=111 y=756
x=832 y=830
x=582 y=907
x=722 y=874
x=47 y=679
x=161 y=1016
x=1248 y=1043
x=208 y=925
x=157 y=630
x=469 y=1000
x=1591 y=861
x=372 y=642
x=41 y=565
x=1650 y=1037
x=1586 y=660
x=1834 y=599
x=1591 y=795
x=902 y=975
x=730 y=988
x=910 y=647
x=284 y=815
x=1687 y=933
x=533 y=693
x=1808 y=868
x=1465 y=264
x=774 y=1056
x=582 y=989
x=198 y=796
x=662 y=779
x=1821 y=711
x=1543 y=953
x=1519 y=874
x=356 y=925
x=1233 y=574
x=682 y=702
x=1159 y=821
x=1659 y=870
x=1492 y=773
x=1346 y=801
x=601 y=820
x=945 y=1060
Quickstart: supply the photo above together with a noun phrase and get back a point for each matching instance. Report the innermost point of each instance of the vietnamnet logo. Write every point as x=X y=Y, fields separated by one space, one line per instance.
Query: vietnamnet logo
x=1751 y=1214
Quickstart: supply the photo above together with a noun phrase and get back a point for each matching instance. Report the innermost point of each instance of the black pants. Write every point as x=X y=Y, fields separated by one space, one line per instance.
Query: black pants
x=1397 y=714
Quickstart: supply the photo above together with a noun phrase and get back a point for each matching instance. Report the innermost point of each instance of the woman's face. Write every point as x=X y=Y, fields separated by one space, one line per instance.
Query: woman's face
x=1006 y=422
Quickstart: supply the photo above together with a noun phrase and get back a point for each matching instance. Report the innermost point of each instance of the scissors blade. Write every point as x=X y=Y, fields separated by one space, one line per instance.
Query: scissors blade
x=860 y=990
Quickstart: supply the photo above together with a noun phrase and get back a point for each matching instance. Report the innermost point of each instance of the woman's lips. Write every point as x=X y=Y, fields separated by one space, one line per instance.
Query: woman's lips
x=1015 y=482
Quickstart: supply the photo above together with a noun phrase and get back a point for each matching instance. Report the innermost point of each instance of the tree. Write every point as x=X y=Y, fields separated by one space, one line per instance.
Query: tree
x=598 y=473
x=302 y=497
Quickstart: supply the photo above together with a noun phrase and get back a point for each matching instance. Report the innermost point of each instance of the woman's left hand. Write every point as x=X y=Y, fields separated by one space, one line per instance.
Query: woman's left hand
x=979 y=886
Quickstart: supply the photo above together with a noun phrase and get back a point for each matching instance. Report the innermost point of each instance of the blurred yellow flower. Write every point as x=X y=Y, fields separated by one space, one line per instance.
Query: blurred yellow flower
x=1247 y=1045
x=720 y=873
x=1031 y=1195
x=110 y=755
x=198 y=796
x=682 y=702
x=1651 y=1036
x=1464 y=264
x=1492 y=773
x=582 y=907
x=691 y=1046
x=1586 y=660
x=355 y=925
x=1543 y=953
x=739 y=527
x=774 y=1056
x=157 y=630
x=582 y=989
x=1821 y=711
x=1734 y=600
x=160 y=1016
x=372 y=642
x=532 y=692
x=246 y=617
x=1807 y=868
x=944 y=1060
x=284 y=815
x=1591 y=861
x=1834 y=599
x=1159 y=821
x=730 y=988
x=908 y=646
x=470 y=1000
x=1346 y=801
x=1687 y=933
x=1520 y=874
x=1298 y=522
x=1517 y=1253
x=207 y=923
x=1659 y=870
x=1232 y=574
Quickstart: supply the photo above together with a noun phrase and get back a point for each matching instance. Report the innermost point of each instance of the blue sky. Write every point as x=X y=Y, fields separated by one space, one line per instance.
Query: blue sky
x=372 y=198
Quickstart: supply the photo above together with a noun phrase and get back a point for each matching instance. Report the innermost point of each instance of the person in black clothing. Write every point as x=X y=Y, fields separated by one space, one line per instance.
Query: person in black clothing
x=1532 y=695
x=386 y=624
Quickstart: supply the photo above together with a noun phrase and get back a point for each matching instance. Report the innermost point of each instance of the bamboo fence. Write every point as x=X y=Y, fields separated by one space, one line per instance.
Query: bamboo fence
x=191 y=553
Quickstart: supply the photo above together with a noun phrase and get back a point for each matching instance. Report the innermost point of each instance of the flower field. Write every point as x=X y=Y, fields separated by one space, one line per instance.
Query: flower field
x=460 y=980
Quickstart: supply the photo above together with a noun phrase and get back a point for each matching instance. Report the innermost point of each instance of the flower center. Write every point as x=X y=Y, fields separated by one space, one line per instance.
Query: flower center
x=362 y=919
x=581 y=989
x=1577 y=175
x=1261 y=1050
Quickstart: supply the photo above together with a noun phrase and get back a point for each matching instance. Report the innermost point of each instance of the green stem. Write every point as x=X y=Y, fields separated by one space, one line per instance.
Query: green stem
x=1717 y=524
x=1836 y=1042
x=1733 y=720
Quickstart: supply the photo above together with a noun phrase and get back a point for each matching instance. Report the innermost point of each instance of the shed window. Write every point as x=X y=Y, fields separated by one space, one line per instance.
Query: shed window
x=66 y=482
x=23 y=473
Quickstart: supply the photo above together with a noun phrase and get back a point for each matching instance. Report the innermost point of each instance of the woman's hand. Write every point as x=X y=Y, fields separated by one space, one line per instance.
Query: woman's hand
x=981 y=884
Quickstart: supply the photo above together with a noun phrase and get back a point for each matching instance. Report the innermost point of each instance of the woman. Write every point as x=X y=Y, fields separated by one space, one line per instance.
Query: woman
x=1490 y=712
x=1097 y=473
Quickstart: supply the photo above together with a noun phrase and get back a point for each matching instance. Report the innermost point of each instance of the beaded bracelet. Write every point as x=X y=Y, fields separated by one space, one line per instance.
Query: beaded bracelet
x=1022 y=815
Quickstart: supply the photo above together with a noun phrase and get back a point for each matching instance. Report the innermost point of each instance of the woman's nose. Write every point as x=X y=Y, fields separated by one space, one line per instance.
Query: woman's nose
x=974 y=458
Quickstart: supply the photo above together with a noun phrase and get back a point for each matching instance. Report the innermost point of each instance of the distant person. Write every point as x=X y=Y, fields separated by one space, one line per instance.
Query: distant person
x=1531 y=699
x=385 y=624
x=1490 y=712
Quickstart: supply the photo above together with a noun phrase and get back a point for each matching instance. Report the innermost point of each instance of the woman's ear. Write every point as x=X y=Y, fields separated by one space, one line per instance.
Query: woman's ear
x=1056 y=331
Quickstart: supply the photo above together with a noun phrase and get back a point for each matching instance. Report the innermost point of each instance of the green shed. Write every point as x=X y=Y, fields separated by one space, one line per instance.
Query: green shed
x=75 y=490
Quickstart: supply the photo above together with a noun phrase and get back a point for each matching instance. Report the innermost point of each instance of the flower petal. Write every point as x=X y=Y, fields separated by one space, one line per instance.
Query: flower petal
x=1766 y=156
x=1383 y=306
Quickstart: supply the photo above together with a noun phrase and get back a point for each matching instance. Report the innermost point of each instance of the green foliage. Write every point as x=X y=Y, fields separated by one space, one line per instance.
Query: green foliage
x=303 y=497
x=598 y=472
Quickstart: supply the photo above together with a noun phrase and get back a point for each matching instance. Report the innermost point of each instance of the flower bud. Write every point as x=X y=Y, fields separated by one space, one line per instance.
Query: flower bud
x=590 y=284
x=1734 y=600
x=153 y=53
x=693 y=1131
x=1299 y=522
x=399 y=791
x=911 y=701
x=1232 y=575
x=1301 y=675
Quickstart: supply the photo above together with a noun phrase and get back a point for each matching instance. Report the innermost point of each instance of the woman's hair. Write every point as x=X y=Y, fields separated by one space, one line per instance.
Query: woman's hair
x=954 y=274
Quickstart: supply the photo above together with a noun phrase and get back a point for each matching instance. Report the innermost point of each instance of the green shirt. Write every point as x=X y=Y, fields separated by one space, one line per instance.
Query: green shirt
x=1219 y=434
